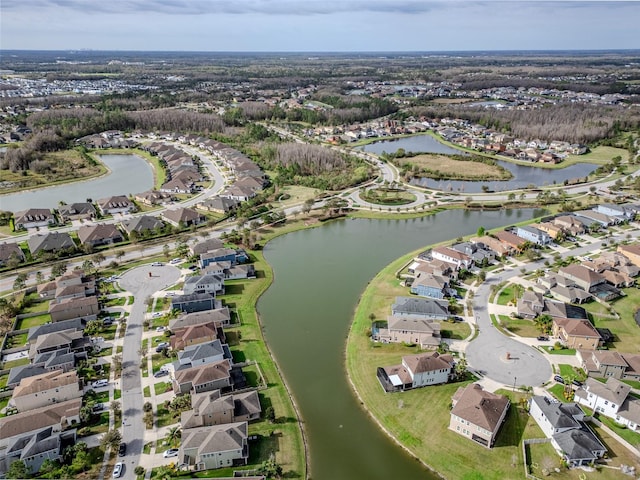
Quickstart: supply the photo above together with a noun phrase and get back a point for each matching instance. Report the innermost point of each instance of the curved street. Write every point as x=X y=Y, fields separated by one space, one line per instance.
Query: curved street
x=141 y=285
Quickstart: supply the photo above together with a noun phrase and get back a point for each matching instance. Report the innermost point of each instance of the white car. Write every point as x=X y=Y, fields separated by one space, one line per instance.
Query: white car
x=117 y=469
x=100 y=383
x=172 y=452
x=156 y=315
x=160 y=329
x=175 y=261
x=156 y=264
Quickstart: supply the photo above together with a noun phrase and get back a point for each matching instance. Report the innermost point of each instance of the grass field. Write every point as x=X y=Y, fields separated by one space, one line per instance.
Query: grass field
x=520 y=326
x=33 y=321
x=599 y=155
x=447 y=168
x=428 y=408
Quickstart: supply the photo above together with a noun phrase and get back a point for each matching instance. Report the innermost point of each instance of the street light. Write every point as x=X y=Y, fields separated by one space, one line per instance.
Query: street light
x=514 y=383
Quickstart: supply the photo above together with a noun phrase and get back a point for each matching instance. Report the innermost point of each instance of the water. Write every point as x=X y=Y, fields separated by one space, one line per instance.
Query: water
x=523 y=175
x=128 y=174
x=306 y=313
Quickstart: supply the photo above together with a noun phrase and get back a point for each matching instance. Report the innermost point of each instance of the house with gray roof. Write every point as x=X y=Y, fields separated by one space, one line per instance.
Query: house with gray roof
x=408 y=329
x=427 y=308
x=72 y=324
x=216 y=446
x=77 y=211
x=206 y=246
x=533 y=235
x=211 y=408
x=50 y=242
x=116 y=204
x=32 y=218
x=203 y=378
x=202 y=353
x=142 y=224
x=207 y=283
x=612 y=400
x=220 y=316
x=195 y=302
x=9 y=251
x=219 y=204
x=183 y=217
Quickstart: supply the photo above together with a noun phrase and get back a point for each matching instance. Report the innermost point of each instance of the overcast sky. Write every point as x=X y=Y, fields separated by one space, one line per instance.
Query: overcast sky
x=312 y=25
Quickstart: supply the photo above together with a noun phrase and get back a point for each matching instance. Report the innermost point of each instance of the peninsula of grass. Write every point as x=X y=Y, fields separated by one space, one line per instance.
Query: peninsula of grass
x=420 y=422
x=446 y=167
x=65 y=166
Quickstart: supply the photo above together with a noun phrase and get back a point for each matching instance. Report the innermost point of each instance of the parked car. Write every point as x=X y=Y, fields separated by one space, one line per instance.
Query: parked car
x=100 y=383
x=160 y=373
x=577 y=383
x=542 y=338
x=157 y=264
x=122 y=449
x=156 y=315
x=175 y=261
x=98 y=407
x=558 y=379
x=160 y=329
x=117 y=469
x=172 y=452
x=162 y=346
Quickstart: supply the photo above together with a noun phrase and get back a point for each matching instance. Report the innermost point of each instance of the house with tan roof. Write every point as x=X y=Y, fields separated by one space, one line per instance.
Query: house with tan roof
x=609 y=363
x=449 y=255
x=576 y=333
x=220 y=316
x=32 y=218
x=194 y=334
x=215 y=447
x=86 y=308
x=493 y=244
x=10 y=251
x=416 y=371
x=511 y=240
x=409 y=329
x=46 y=389
x=203 y=378
x=183 y=217
x=116 y=204
x=211 y=408
x=101 y=234
x=632 y=252
x=77 y=211
x=569 y=224
x=478 y=414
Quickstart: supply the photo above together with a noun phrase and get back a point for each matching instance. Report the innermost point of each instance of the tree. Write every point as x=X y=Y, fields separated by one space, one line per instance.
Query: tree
x=182 y=249
x=111 y=439
x=39 y=277
x=20 y=282
x=173 y=434
x=94 y=327
x=59 y=269
x=18 y=469
x=482 y=275
x=166 y=251
x=115 y=408
x=511 y=197
x=308 y=205
x=86 y=413
x=99 y=258
x=480 y=232
x=119 y=254
x=87 y=266
x=544 y=323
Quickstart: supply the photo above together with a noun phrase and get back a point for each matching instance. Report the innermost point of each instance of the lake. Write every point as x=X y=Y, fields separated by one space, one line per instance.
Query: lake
x=523 y=175
x=319 y=274
x=128 y=174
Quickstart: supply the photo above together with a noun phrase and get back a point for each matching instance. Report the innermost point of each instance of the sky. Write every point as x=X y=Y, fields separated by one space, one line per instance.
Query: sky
x=318 y=26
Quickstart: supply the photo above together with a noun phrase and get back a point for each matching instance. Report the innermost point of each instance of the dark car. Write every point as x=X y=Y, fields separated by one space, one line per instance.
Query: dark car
x=558 y=379
x=542 y=338
x=577 y=383
x=122 y=449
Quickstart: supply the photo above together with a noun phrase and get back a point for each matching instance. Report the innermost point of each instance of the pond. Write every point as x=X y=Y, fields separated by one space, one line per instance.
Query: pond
x=128 y=174
x=306 y=314
x=523 y=175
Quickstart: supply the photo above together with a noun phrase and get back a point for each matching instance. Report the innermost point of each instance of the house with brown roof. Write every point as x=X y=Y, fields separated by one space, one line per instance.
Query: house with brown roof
x=9 y=251
x=220 y=316
x=478 y=414
x=569 y=224
x=32 y=218
x=116 y=204
x=449 y=255
x=511 y=240
x=194 y=334
x=409 y=329
x=215 y=447
x=608 y=363
x=632 y=252
x=576 y=333
x=589 y=281
x=77 y=211
x=493 y=244
x=86 y=308
x=211 y=408
x=203 y=378
x=153 y=197
x=101 y=234
x=48 y=388
x=416 y=371
x=183 y=217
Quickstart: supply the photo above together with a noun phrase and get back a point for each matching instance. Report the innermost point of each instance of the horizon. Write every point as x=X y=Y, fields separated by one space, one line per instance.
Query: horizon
x=318 y=26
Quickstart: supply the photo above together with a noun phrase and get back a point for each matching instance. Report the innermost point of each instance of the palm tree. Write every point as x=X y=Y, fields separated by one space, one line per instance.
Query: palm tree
x=174 y=434
x=111 y=439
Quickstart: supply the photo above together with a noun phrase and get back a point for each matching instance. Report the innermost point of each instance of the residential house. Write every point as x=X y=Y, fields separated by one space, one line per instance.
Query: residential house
x=416 y=371
x=564 y=424
x=622 y=212
x=50 y=242
x=550 y=228
x=632 y=252
x=65 y=340
x=203 y=378
x=446 y=254
x=9 y=252
x=478 y=414
x=207 y=283
x=153 y=197
x=178 y=185
x=612 y=400
x=45 y=389
x=533 y=235
x=496 y=246
x=576 y=333
x=409 y=329
x=511 y=240
x=570 y=224
x=479 y=254
x=142 y=225
x=220 y=316
x=218 y=204
x=428 y=285
x=101 y=234
x=237 y=272
x=116 y=204
x=232 y=255
x=206 y=246
x=425 y=308
x=607 y=363
x=599 y=218
x=183 y=217
x=211 y=408
x=33 y=218
x=77 y=211
x=195 y=302
x=35 y=332
x=195 y=334
x=238 y=192
x=86 y=308
x=202 y=354
x=589 y=281
x=530 y=305
x=216 y=446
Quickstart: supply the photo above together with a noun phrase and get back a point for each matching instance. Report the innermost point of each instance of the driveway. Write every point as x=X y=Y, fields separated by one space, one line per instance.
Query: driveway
x=141 y=285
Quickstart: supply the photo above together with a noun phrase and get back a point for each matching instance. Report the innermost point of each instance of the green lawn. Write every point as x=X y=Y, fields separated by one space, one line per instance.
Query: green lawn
x=569 y=371
x=147 y=391
x=37 y=306
x=14 y=341
x=116 y=302
x=506 y=296
x=33 y=321
x=562 y=351
x=520 y=326
x=117 y=393
x=425 y=409
x=3 y=380
x=15 y=363
x=629 y=435
x=164 y=417
x=158 y=360
x=625 y=329
x=161 y=387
